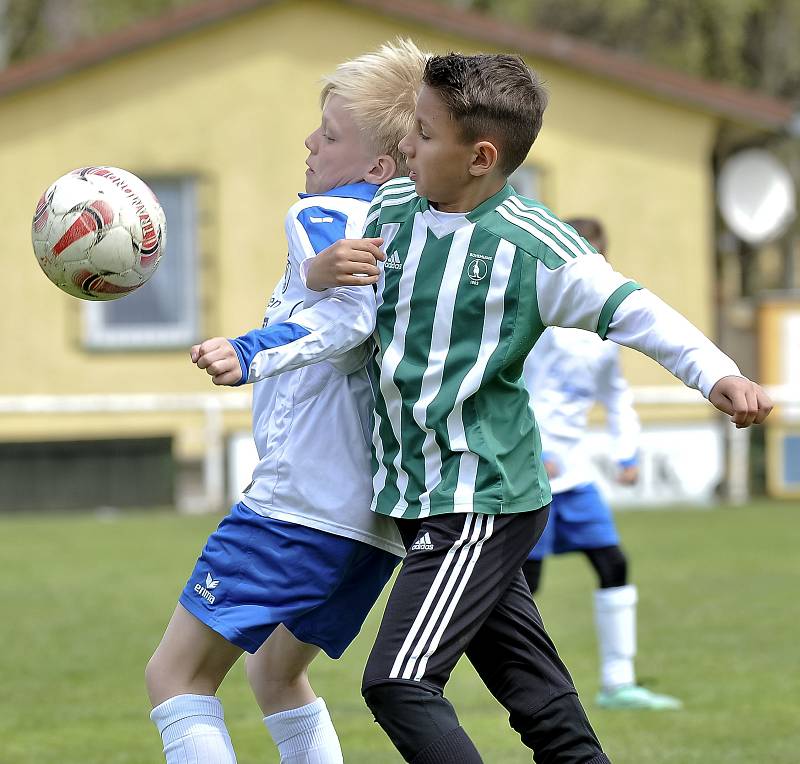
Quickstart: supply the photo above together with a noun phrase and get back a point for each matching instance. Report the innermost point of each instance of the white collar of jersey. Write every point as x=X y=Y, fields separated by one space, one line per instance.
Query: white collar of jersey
x=486 y=206
x=444 y=223
x=364 y=191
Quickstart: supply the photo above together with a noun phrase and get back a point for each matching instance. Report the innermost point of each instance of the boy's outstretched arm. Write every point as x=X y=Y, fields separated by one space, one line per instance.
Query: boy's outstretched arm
x=336 y=328
x=646 y=323
x=326 y=330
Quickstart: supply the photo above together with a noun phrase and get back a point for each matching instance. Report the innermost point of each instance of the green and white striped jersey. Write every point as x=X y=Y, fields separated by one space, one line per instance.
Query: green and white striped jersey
x=461 y=301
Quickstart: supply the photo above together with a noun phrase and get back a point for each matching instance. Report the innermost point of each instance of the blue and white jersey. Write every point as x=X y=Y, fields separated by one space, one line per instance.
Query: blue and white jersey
x=312 y=423
x=567 y=371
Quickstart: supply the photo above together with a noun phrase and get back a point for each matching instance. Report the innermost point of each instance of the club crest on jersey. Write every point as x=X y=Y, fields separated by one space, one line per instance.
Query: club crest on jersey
x=393 y=262
x=477 y=270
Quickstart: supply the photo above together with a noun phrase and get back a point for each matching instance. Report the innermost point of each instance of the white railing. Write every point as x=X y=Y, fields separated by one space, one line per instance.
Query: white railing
x=213 y=405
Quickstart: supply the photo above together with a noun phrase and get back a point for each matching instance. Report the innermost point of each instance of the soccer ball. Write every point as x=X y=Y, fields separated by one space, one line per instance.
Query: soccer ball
x=98 y=233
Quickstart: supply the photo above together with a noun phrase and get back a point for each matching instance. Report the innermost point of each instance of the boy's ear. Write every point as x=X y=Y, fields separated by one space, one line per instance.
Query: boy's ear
x=384 y=168
x=484 y=158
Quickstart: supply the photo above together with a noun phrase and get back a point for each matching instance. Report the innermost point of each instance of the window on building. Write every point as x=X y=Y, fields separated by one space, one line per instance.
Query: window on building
x=164 y=312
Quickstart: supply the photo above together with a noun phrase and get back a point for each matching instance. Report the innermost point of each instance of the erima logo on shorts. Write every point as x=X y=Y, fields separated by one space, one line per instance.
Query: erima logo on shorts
x=393 y=262
x=423 y=543
x=204 y=592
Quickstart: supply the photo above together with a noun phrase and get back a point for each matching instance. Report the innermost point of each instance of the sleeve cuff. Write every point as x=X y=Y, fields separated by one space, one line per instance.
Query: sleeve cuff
x=240 y=355
x=249 y=345
x=708 y=381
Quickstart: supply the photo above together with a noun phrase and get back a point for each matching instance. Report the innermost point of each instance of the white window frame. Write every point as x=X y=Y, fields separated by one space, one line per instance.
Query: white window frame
x=98 y=335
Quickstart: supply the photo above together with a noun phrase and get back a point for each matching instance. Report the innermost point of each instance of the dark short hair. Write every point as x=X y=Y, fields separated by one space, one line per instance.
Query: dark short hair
x=591 y=229
x=491 y=95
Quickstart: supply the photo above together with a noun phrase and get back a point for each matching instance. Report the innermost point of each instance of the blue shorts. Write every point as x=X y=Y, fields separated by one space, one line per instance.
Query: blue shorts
x=256 y=572
x=579 y=519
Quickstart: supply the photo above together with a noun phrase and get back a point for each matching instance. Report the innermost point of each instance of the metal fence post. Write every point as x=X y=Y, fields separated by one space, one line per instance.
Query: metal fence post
x=738 y=483
x=214 y=455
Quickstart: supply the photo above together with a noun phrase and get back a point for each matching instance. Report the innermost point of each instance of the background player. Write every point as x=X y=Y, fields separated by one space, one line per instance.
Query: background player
x=299 y=562
x=566 y=373
x=472 y=275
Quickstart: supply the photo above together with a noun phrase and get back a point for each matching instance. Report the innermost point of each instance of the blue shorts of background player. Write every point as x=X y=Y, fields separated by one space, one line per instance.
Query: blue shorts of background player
x=579 y=519
x=257 y=572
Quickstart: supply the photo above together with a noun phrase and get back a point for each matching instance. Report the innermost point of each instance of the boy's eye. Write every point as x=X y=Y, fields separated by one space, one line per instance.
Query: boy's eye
x=328 y=137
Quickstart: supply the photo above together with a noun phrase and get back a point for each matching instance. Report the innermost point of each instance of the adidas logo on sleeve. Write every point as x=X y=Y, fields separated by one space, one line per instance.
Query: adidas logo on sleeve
x=422 y=544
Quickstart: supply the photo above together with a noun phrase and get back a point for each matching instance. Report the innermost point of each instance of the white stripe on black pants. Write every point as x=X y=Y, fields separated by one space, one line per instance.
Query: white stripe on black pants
x=461 y=589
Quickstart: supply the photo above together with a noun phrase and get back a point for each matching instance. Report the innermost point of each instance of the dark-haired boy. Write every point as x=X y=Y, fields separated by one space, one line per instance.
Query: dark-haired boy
x=472 y=275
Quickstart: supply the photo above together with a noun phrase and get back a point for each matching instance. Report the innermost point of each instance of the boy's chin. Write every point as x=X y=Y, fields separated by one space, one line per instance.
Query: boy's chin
x=315 y=186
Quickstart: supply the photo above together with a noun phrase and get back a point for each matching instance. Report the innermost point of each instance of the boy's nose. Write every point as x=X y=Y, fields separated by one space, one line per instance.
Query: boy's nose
x=405 y=146
x=310 y=141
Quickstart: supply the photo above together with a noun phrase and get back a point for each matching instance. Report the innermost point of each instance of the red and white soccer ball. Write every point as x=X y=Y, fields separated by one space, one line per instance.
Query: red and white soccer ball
x=99 y=233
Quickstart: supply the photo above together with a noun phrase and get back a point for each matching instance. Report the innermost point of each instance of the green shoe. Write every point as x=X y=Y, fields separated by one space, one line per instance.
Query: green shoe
x=634 y=697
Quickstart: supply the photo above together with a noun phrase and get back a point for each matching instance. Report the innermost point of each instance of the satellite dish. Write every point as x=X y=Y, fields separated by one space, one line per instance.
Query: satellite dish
x=756 y=196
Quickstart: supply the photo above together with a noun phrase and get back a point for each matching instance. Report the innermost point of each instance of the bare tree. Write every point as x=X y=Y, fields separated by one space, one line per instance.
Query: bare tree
x=752 y=43
x=32 y=27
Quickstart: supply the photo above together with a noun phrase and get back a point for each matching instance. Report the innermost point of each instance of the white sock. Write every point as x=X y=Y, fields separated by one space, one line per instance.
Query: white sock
x=305 y=735
x=193 y=730
x=615 y=618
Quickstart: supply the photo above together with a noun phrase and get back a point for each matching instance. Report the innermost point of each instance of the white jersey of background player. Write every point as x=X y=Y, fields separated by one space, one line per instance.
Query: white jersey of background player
x=297 y=564
x=568 y=371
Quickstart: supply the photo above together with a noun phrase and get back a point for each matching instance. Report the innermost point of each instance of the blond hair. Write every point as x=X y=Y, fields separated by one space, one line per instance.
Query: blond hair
x=380 y=89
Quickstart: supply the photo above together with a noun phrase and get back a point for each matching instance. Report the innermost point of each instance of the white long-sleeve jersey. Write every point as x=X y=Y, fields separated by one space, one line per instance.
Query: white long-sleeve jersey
x=565 y=374
x=312 y=423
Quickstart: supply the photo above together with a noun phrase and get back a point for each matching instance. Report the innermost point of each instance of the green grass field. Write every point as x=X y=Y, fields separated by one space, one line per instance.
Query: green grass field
x=86 y=599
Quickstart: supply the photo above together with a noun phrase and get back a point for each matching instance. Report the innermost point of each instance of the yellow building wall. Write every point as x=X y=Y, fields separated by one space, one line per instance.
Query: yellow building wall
x=231 y=104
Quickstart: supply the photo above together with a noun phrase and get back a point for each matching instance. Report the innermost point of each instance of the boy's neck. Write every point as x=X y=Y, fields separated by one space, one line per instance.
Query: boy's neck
x=472 y=195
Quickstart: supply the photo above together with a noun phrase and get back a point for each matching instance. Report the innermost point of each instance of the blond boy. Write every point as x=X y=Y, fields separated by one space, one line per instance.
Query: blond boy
x=299 y=561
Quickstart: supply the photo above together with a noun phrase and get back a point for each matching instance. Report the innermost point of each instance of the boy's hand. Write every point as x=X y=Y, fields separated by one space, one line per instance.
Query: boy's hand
x=219 y=359
x=348 y=262
x=551 y=468
x=744 y=401
x=628 y=475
